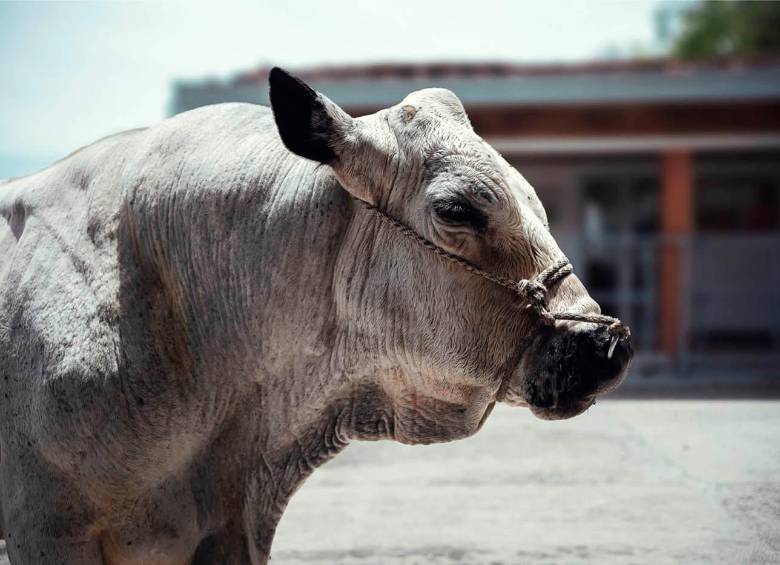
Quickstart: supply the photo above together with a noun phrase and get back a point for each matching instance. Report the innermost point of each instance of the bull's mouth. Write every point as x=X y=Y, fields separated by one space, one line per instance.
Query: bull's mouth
x=562 y=411
x=562 y=372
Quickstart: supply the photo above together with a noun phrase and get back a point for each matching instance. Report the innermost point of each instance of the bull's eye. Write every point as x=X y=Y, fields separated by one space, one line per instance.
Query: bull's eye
x=459 y=212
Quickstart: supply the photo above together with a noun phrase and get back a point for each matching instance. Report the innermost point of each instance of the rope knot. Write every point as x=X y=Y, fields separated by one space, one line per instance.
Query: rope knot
x=533 y=294
x=618 y=328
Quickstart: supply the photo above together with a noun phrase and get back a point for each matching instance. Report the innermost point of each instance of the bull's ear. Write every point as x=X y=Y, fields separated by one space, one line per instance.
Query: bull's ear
x=309 y=124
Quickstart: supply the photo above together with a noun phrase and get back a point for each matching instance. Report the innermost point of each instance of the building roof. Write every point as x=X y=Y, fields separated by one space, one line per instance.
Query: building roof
x=493 y=83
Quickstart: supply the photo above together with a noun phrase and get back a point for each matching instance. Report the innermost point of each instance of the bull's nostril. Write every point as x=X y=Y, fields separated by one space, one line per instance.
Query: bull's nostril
x=622 y=350
x=613 y=342
x=613 y=365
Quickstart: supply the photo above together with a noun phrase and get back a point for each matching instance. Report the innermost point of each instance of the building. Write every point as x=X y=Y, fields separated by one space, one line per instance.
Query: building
x=661 y=180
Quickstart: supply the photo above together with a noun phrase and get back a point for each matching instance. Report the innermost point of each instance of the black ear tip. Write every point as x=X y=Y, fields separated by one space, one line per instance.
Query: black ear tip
x=302 y=119
x=277 y=74
x=283 y=82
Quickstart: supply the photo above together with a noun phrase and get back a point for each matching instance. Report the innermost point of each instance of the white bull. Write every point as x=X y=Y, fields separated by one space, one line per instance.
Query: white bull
x=196 y=315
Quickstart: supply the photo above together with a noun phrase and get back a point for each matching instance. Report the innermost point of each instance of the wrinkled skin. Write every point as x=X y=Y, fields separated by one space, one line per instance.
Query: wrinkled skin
x=193 y=318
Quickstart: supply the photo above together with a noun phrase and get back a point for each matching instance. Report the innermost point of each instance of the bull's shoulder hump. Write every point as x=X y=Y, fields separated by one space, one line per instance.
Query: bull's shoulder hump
x=225 y=118
x=219 y=117
x=226 y=108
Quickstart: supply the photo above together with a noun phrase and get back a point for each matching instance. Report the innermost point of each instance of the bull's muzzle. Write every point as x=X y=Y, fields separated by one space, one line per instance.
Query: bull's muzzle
x=564 y=370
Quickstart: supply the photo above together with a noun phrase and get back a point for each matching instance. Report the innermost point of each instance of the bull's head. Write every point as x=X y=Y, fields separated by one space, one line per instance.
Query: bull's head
x=436 y=343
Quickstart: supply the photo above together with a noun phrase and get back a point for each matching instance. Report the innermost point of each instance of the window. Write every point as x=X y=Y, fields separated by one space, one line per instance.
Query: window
x=620 y=220
x=737 y=203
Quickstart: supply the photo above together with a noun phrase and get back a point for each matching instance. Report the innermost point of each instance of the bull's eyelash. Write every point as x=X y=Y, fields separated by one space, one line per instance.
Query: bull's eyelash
x=459 y=211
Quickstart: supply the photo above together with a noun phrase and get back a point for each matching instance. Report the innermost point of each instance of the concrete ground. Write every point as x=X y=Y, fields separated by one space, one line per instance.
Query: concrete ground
x=630 y=481
x=659 y=481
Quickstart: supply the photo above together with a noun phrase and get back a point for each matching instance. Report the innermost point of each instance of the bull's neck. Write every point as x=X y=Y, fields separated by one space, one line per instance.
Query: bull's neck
x=249 y=279
x=276 y=266
x=246 y=273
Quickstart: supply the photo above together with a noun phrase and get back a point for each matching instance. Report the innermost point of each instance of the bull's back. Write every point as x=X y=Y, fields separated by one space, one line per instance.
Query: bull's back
x=60 y=228
x=63 y=243
x=7 y=239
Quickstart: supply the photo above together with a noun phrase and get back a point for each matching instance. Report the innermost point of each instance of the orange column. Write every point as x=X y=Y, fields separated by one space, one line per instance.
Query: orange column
x=677 y=220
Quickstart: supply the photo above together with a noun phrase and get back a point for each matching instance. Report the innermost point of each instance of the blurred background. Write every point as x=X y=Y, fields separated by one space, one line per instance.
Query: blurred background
x=651 y=131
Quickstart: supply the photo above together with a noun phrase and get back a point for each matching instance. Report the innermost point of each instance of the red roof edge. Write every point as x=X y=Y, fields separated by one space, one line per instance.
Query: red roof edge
x=496 y=69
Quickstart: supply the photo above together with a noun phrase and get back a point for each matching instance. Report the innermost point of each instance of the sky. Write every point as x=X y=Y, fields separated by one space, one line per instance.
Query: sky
x=71 y=73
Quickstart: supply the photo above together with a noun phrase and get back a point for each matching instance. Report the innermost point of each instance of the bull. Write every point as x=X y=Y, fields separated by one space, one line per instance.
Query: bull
x=196 y=315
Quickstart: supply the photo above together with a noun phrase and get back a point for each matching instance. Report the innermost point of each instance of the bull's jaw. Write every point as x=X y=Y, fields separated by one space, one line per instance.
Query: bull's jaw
x=560 y=411
x=546 y=399
x=391 y=409
x=563 y=410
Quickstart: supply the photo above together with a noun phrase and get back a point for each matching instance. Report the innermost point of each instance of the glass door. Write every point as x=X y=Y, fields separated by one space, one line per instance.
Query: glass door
x=619 y=215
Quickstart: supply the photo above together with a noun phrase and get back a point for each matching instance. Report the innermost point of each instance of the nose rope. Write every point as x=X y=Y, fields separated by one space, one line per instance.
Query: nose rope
x=531 y=292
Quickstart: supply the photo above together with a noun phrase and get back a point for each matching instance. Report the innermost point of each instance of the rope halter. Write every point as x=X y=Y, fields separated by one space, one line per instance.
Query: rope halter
x=532 y=292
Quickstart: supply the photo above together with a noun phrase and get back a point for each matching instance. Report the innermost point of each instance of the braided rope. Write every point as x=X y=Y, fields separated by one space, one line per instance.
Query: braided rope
x=532 y=292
